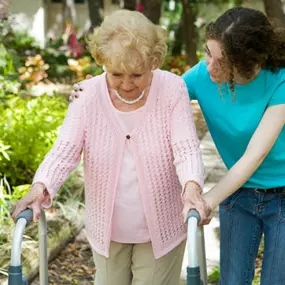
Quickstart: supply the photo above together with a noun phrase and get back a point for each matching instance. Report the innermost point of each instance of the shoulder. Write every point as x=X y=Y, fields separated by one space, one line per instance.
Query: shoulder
x=275 y=78
x=170 y=82
x=275 y=87
x=196 y=72
x=88 y=85
x=172 y=88
x=280 y=76
x=167 y=76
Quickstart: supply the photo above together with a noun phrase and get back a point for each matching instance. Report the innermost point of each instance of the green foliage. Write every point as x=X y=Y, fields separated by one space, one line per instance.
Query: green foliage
x=213 y=278
x=22 y=43
x=29 y=128
x=3 y=151
x=8 y=75
x=9 y=196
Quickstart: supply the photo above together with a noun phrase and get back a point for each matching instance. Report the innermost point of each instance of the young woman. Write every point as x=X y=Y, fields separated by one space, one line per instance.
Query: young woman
x=240 y=87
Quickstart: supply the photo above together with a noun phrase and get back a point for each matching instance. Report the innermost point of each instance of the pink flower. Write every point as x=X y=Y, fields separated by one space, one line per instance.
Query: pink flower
x=140 y=7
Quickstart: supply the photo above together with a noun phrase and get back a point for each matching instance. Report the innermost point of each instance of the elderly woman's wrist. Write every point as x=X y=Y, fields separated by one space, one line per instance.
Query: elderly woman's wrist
x=192 y=186
x=39 y=187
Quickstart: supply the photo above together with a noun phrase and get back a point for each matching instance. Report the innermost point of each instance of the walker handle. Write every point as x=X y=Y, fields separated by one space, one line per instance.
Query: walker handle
x=193 y=213
x=27 y=215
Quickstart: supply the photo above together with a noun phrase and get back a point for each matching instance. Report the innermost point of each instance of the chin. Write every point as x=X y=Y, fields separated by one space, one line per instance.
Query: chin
x=216 y=79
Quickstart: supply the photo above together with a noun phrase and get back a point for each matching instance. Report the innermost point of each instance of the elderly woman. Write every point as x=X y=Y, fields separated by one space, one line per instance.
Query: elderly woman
x=135 y=128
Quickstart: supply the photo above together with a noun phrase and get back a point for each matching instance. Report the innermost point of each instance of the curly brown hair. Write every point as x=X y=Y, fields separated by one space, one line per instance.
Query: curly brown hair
x=248 y=40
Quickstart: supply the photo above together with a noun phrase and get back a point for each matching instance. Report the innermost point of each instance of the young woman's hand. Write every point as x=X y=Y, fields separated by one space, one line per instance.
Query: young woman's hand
x=77 y=88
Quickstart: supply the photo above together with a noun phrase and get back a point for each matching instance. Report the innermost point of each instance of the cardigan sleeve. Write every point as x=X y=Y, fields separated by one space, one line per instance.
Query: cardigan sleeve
x=185 y=143
x=66 y=152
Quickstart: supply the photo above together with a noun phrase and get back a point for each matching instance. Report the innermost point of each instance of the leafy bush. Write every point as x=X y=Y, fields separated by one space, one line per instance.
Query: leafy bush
x=29 y=127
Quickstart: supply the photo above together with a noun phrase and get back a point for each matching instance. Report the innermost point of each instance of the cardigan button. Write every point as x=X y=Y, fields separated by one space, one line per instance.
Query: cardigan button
x=128 y=137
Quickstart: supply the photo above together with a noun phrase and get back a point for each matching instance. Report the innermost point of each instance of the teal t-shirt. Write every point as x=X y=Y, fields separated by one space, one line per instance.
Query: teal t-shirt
x=232 y=123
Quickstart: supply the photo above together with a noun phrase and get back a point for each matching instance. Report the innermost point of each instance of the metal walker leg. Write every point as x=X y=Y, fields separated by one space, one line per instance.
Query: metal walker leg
x=15 y=275
x=197 y=267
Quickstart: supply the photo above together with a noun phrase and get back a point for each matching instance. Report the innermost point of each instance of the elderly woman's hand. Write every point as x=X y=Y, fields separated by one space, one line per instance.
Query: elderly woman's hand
x=77 y=88
x=32 y=200
x=193 y=199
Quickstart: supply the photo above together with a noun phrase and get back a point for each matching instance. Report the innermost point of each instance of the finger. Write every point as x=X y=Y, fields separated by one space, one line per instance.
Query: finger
x=36 y=208
x=205 y=222
x=17 y=210
x=185 y=211
x=89 y=76
x=73 y=95
x=76 y=87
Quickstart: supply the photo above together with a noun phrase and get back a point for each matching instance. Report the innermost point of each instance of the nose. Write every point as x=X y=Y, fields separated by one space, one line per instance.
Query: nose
x=127 y=84
x=211 y=66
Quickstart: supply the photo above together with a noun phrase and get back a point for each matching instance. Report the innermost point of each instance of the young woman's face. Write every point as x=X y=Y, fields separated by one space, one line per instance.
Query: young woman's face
x=216 y=62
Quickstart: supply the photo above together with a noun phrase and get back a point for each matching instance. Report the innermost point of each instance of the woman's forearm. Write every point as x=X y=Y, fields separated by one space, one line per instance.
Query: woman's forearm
x=234 y=179
x=259 y=146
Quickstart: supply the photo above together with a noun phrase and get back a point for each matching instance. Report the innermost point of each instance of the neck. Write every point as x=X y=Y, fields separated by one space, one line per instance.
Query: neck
x=238 y=79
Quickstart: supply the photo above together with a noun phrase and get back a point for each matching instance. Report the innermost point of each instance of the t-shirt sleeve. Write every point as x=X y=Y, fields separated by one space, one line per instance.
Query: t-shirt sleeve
x=278 y=96
x=190 y=78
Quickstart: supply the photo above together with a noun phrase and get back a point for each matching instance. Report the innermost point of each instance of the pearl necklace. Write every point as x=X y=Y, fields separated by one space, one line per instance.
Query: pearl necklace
x=130 y=102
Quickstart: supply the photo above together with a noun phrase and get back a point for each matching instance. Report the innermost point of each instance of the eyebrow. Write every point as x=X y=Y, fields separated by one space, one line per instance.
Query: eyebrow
x=221 y=59
x=207 y=49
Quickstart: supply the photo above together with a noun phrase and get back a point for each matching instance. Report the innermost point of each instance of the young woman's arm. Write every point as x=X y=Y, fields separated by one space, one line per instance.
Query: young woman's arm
x=259 y=146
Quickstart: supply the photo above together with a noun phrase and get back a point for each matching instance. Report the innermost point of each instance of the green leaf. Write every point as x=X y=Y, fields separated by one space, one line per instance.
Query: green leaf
x=3 y=54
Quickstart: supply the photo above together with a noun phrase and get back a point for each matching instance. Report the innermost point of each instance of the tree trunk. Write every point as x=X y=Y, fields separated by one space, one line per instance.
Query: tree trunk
x=69 y=12
x=94 y=7
x=129 y=4
x=189 y=18
x=274 y=10
x=178 y=39
x=152 y=9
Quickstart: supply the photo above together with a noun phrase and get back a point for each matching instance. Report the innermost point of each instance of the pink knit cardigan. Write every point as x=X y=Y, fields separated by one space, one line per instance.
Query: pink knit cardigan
x=163 y=142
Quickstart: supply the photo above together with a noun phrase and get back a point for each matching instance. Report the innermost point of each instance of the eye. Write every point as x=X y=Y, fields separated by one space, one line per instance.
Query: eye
x=117 y=74
x=137 y=75
x=207 y=52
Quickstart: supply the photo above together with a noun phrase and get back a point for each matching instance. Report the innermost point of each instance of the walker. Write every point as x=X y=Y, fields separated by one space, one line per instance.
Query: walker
x=196 y=269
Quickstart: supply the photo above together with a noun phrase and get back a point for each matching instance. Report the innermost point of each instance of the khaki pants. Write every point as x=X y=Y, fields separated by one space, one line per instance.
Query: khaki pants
x=134 y=264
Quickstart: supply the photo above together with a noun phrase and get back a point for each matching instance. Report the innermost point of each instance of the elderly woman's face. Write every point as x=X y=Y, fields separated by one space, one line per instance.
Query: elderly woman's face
x=128 y=85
